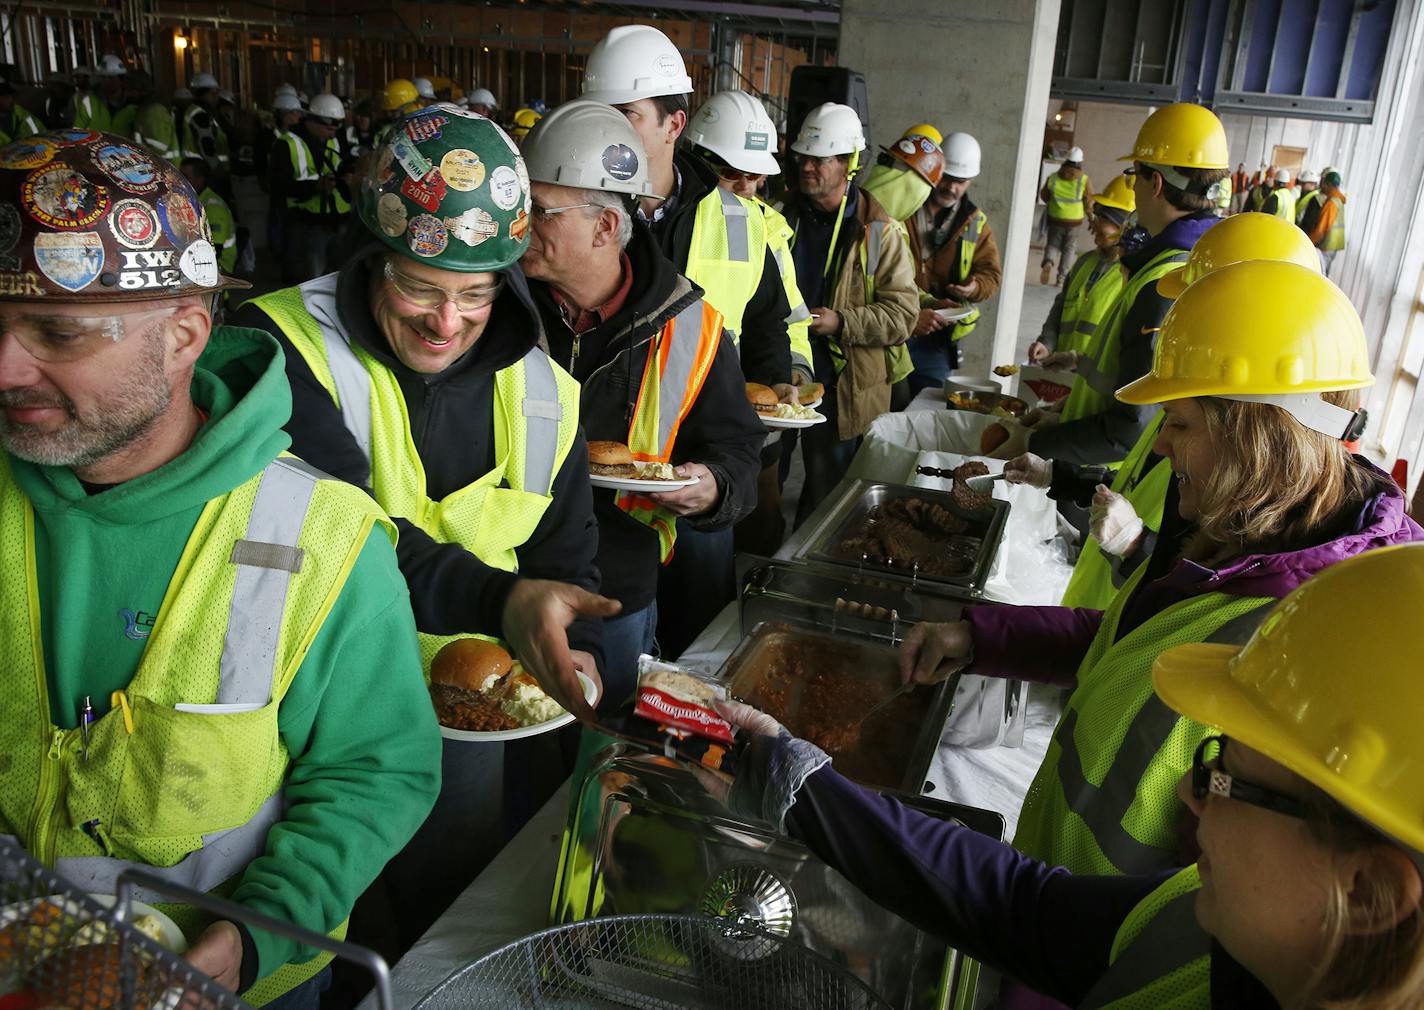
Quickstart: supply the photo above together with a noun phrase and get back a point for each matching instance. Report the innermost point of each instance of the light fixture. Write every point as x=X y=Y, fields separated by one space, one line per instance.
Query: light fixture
x=180 y=41
x=1058 y=117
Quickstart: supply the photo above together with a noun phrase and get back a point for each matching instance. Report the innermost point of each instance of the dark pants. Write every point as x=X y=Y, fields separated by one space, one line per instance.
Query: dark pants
x=694 y=586
x=827 y=456
x=1062 y=238
x=935 y=356
x=763 y=530
x=626 y=637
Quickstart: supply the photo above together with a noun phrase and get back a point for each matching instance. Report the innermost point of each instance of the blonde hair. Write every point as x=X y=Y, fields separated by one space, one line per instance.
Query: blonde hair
x=1277 y=485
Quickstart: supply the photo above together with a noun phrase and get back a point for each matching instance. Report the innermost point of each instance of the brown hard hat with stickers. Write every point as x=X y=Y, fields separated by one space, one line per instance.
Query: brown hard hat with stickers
x=88 y=216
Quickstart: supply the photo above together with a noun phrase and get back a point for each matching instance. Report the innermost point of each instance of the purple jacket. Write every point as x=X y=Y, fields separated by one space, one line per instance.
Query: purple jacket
x=1047 y=644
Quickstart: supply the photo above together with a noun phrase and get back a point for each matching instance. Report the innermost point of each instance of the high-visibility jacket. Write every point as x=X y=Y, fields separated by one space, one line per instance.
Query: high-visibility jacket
x=1285 y=203
x=19 y=125
x=1098 y=376
x=679 y=358
x=1086 y=302
x=223 y=227
x=203 y=137
x=968 y=242
x=1065 y=198
x=90 y=112
x=798 y=321
x=1161 y=957
x=187 y=795
x=306 y=167
x=1096 y=576
x=727 y=254
x=121 y=120
x=1223 y=196
x=1303 y=205
x=1104 y=800
x=155 y=128
x=535 y=423
x=1335 y=237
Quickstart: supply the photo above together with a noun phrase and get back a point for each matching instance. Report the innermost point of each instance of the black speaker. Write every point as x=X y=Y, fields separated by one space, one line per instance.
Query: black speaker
x=813 y=86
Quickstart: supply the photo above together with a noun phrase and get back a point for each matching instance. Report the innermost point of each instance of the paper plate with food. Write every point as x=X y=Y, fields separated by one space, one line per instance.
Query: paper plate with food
x=481 y=694
x=775 y=414
x=954 y=313
x=611 y=465
x=811 y=394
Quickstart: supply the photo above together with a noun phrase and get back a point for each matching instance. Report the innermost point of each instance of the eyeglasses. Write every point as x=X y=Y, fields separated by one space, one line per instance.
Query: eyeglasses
x=323 y=121
x=61 y=339
x=811 y=159
x=736 y=174
x=428 y=296
x=1209 y=779
x=543 y=214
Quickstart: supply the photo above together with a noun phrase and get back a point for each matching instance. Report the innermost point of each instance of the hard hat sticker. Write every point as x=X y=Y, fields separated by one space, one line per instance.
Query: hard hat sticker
x=180 y=218
x=620 y=162
x=133 y=224
x=29 y=153
x=71 y=137
x=73 y=260
x=129 y=167
x=667 y=65
x=428 y=191
x=474 y=226
x=906 y=146
x=519 y=227
x=426 y=236
x=63 y=198
x=425 y=127
x=462 y=170
x=416 y=165
x=391 y=215
x=199 y=263
x=14 y=284
x=149 y=269
x=505 y=190
x=755 y=142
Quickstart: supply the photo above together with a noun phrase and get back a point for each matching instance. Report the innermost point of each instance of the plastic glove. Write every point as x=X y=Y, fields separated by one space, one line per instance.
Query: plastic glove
x=1113 y=522
x=1035 y=471
x=931 y=652
x=748 y=719
x=1037 y=351
x=1062 y=360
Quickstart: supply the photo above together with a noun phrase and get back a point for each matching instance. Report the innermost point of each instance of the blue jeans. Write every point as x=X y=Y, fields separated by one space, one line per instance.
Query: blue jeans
x=306 y=996
x=694 y=586
x=625 y=637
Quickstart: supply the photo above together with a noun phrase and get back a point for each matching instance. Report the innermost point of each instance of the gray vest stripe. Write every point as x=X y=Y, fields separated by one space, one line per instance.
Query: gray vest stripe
x=735 y=213
x=1171 y=940
x=223 y=856
x=353 y=383
x=542 y=414
x=259 y=596
x=682 y=356
x=1085 y=326
x=1103 y=808
x=874 y=235
x=260 y=555
x=1098 y=380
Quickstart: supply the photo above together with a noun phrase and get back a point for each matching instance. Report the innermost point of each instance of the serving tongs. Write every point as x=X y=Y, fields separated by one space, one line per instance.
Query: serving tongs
x=981 y=484
x=903 y=689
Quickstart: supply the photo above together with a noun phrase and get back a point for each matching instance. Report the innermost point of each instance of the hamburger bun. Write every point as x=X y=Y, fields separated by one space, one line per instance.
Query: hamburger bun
x=993 y=436
x=762 y=398
x=810 y=393
x=611 y=459
x=468 y=663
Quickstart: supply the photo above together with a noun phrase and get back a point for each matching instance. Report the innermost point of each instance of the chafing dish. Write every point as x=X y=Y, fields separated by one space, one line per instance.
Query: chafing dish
x=987 y=403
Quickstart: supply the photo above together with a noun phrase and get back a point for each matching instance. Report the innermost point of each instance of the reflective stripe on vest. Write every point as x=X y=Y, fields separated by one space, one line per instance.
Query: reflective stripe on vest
x=727 y=254
x=1086 y=302
x=1117 y=731
x=1303 y=205
x=1099 y=374
x=1285 y=203
x=1097 y=576
x=679 y=358
x=968 y=243
x=798 y=320
x=1161 y=957
x=306 y=167
x=1065 y=199
x=1335 y=237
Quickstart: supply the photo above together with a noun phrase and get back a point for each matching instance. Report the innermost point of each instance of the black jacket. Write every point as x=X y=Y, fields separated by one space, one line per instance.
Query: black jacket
x=451 y=420
x=764 y=345
x=722 y=432
x=285 y=186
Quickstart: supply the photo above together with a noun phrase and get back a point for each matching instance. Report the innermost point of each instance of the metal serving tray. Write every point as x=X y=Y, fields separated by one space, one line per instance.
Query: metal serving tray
x=859 y=497
x=791 y=671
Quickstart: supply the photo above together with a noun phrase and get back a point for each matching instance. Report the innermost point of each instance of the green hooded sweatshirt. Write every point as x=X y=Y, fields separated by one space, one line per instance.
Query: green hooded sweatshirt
x=365 y=746
x=900 y=190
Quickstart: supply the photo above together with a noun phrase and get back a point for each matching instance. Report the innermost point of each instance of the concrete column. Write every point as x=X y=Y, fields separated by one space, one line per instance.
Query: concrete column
x=981 y=66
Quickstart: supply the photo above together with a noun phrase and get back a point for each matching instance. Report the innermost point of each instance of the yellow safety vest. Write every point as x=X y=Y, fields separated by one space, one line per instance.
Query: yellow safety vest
x=1065 y=199
x=1104 y=800
x=1223 y=196
x=305 y=168
x=1096 y=576
x=679 y=358
x=1302 y=206
x=1161 y=957
x=1285 y=203
x=188 y=796
x=798 y=322
x=968 y=242
x=1335 y=238
x=535 y=424
x=727 y=254
x=1098 y=377
x=1086 y=302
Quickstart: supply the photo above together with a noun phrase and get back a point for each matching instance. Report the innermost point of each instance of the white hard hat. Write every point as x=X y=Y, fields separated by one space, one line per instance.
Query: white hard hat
x=1282 y=175
x=1309 y=175
x=734 y=126
x=285 y=89
x=182 y=94
x=1076 y=155
x=633 y=62
x=327 y=107
x=830 y=129
x=227 y=96
x=483 y=96
x=961 y=156
x=587 y=145
x=111 y=66
x=203 y=81
x=423 y=87
x=286 y=103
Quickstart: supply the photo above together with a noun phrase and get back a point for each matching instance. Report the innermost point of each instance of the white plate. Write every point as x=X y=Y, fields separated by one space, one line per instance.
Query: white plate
x=791 y=422
x=814 y=403
x=637 y=484
x=590 y=691
x=170 y=936
x=954 y=315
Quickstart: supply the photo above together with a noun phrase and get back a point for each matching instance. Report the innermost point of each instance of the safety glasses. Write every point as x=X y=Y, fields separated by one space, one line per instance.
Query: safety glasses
x=737 y=175
x=430 y=297
x=1209 y=780
x=59 y=339
x=545 y=214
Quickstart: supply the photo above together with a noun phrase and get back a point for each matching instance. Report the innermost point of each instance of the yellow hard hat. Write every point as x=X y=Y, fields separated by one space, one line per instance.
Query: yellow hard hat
x=923 y=130
x=524 y=121
x=1262 y=331
x=397 y=94
x=1119 y=194
x=1184 y=135
x=1340 y=710
x=1238 y=238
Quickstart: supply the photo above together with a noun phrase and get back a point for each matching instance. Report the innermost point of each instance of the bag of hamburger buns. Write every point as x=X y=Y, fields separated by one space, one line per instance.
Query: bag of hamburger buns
x=680 y=702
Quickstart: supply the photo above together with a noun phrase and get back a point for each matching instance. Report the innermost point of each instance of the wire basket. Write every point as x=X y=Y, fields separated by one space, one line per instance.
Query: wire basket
x=653 y=962
x=61 y=948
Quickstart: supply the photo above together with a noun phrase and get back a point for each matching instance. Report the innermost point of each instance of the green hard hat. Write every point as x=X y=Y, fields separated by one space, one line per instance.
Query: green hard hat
x=449 y=188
